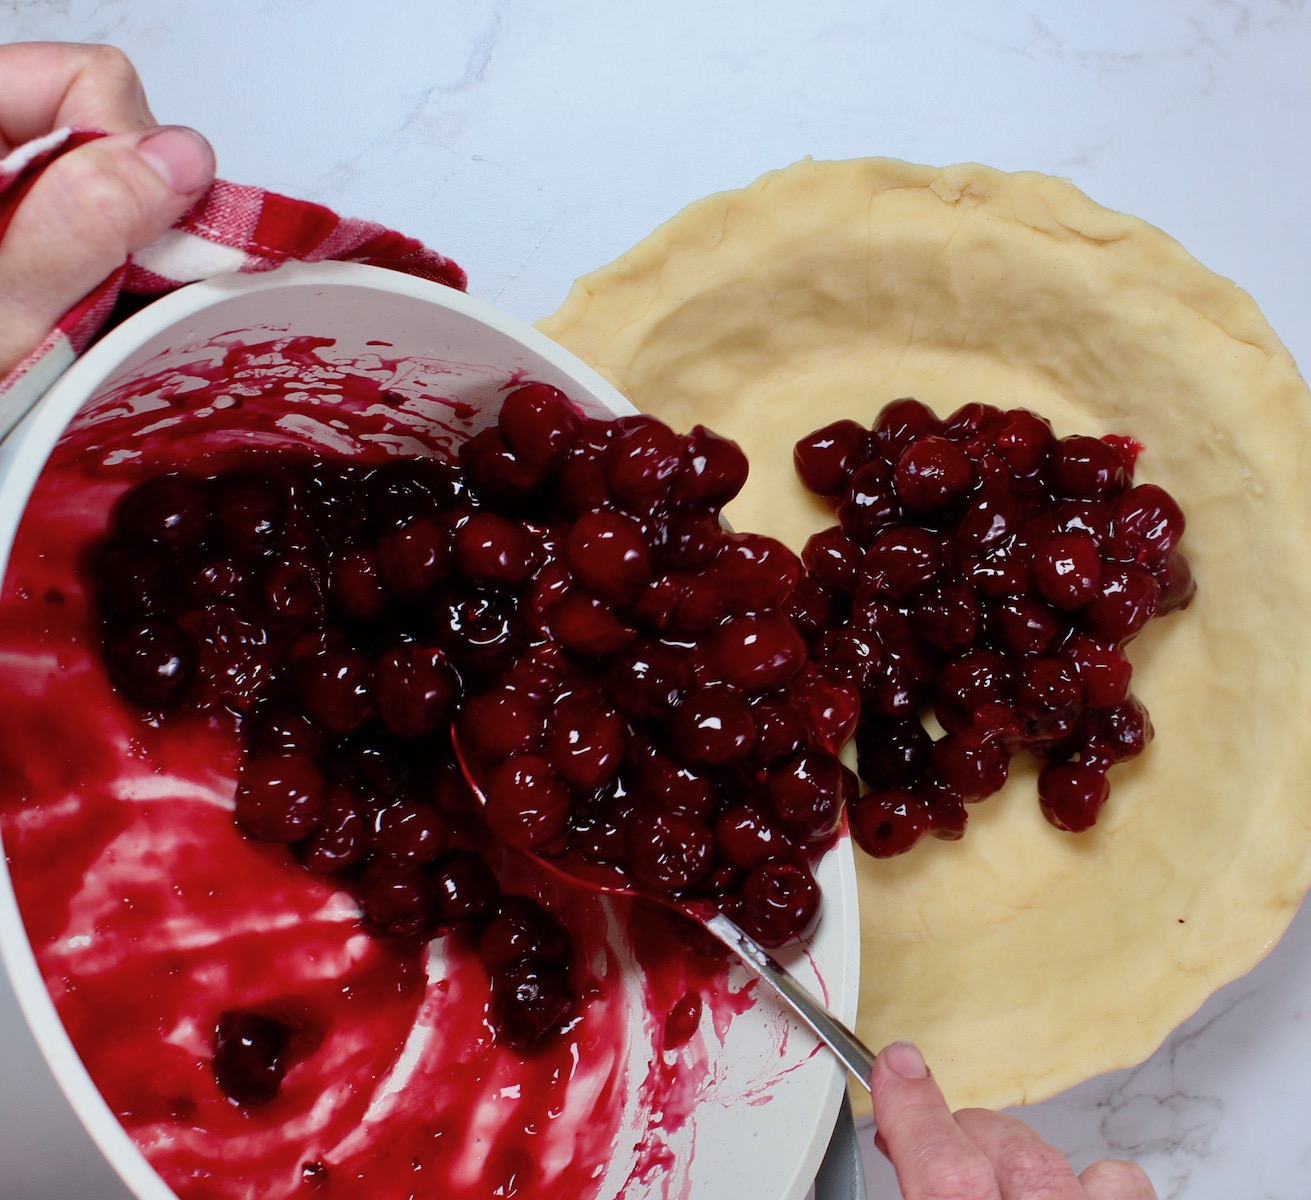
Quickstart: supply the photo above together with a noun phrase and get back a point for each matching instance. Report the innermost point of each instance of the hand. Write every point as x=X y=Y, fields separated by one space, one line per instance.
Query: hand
x=94 y=205
x=975 y=1154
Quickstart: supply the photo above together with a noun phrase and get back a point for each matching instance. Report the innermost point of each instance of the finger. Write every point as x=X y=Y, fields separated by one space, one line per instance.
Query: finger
x=47 y=85
x=85 y=214
x=1112 y=1179
x=931 y=1155
x=1027 y=1167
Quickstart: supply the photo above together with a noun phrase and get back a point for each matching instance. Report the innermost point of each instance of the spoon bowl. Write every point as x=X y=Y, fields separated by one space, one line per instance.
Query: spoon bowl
x=611 y=881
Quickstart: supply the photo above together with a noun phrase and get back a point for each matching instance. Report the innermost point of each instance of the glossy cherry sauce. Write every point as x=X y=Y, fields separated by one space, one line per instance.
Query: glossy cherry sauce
x=154 y=920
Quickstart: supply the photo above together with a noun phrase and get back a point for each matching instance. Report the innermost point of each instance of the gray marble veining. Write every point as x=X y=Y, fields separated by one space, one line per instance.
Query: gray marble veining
x=535 y=139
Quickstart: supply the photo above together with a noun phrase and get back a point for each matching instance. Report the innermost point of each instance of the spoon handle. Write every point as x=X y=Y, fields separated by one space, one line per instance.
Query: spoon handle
x=855 y=1055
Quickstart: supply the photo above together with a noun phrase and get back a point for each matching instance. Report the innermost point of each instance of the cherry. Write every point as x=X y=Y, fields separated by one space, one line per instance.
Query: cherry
x=683 y=1020
x=833 y=560
x=217 y=579
x=585 y=742
x=1049 y=696
x=668 y=851
x=643 y=460
x=232 y=666
x=292 y=590
x=136 y=580
x=539 y=424
x=1072 y=795
x=828 y=707
x=355 y=586
x=892 y=754
x=396 y=899
x=1086 y=468
x=1023 y=441
x=716 y=470
x=991 y=516
x=1104 y=671
x=501 y=722
x=973 y=426
x=1128 y=599
x=415 y=689
x=756 y=653
x=712 y=726
x=812 y=609
x=405 y=489
x=482 y=631
x=780 y=903
x=521 y=930
x=1067 y=570
x=280 y=725
x=755 y=572
x=464 y=889
x=901 y=560
x=870 y=502
x=153 y=663
x=608 y=555
x=669 y=785
x=931 y=474
x=825 y=459
x=410 y=831
x=948 y=620
x=250 y=511
x=172 y=510
x=414 y=559
x=333 y=682
x=975 y=678
x=493 y=470
x=280 y=797
x=1120 y=731
x=1092 y=517
x=885 y=823
x=646 y=679
x=588 y=626
x=527 y=803
x=692 y=539
x=968 y=771
x=899 y=424
x=745 y=838
x=1023 y=625
x=494 y=551
x=1146 y=526
x=1175 y=578
x=782 y=731
x=529 y=1001
x=342 y=838
x=251 y=1056
x=581 y=484
x=805 y=796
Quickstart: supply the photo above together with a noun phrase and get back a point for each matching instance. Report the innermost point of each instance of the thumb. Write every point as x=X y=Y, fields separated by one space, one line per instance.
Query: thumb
x=89 y=210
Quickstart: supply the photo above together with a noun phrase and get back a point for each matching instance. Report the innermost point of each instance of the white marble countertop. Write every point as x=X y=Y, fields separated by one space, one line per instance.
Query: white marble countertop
x=533 y=140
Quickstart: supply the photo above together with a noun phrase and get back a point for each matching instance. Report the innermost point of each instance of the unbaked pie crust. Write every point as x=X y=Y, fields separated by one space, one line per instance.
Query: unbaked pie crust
x=1022 y=959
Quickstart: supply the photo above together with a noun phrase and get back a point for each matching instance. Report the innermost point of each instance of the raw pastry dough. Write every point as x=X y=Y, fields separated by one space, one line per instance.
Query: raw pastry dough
x=1022 y=959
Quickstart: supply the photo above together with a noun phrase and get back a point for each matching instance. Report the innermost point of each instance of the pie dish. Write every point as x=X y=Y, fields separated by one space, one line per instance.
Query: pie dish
x=1023 y=959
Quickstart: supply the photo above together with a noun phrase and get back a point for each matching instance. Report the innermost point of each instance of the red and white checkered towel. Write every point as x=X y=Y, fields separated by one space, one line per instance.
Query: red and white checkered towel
x=232 y=228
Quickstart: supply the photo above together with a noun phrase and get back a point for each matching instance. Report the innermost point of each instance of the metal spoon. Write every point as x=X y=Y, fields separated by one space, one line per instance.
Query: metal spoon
x=851 y=1051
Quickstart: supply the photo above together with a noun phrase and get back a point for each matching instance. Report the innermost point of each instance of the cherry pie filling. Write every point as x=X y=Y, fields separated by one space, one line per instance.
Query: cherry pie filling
x=640 y=690
x=616 y=661
x=986 y=574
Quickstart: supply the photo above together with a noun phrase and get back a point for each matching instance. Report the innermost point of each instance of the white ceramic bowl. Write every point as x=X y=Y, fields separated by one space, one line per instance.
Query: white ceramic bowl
x=418 y=336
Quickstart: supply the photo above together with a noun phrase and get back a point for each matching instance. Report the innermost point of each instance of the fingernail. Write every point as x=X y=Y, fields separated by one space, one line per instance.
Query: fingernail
x=905 y=1060
x=180 y=157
